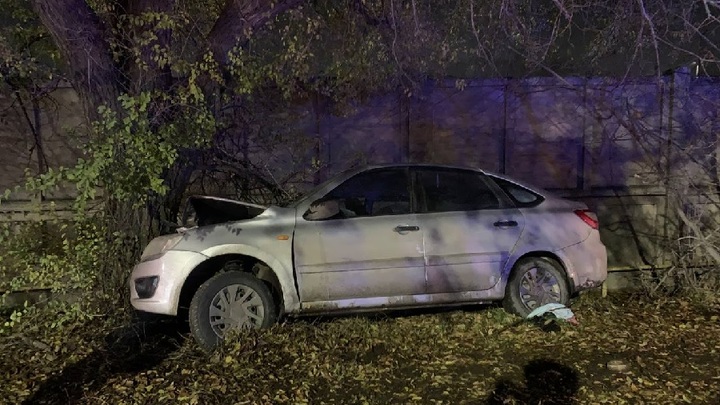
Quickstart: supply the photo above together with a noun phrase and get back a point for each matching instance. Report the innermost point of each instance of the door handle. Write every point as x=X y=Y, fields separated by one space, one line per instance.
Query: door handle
x=406 y=228
x=505 y=224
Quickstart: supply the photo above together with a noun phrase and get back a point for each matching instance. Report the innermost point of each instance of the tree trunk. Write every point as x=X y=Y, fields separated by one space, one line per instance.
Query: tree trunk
x=238 y=18
x=81 y=37
x=151 y=76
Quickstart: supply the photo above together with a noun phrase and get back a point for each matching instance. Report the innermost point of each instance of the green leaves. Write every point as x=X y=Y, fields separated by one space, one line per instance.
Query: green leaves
x=28 y=59
x=131 y=149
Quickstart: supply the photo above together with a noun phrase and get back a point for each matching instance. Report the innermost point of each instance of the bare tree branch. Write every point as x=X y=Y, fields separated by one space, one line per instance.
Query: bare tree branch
x=564 y=10
x=653 y=34
x=415 y=16
x=481 y=48
x=238 y=19
x=709 y=248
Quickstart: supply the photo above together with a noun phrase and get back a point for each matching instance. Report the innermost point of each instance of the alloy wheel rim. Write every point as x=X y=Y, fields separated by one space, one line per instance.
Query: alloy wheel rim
x=236 y=306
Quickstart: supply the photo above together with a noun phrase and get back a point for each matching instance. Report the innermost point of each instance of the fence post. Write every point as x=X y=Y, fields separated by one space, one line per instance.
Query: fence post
x=504 y=141
x=403 y=126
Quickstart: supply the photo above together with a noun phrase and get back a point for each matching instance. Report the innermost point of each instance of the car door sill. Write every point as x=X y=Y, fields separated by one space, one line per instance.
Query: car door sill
x=372 y=304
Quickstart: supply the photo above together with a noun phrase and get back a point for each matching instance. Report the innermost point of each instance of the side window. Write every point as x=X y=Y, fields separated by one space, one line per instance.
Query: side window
x=521 y=196
x=455 y=190
x=372 y=193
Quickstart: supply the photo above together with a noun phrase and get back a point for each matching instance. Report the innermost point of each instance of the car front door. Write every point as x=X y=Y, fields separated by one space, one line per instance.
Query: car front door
x=469 y=230
x=361 y=241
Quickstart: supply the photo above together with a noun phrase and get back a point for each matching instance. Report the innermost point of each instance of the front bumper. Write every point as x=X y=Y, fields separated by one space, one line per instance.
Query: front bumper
x=172 y=269
x=586 y=263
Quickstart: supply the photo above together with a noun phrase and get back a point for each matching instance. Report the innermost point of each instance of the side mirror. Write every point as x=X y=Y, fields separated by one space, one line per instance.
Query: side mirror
x=322 y=209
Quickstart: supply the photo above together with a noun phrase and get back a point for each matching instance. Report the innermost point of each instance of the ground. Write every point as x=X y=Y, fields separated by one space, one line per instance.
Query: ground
x=470 y=355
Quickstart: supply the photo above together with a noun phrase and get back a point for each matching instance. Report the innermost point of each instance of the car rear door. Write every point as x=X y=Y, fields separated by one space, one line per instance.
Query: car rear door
x=469 y=230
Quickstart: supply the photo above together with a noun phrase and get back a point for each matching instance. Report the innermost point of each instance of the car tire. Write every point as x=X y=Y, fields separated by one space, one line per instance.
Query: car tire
x=212 y=315
x=552 y=286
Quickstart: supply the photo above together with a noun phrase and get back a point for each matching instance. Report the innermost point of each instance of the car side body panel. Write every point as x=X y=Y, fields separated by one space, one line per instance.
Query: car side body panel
x=586 y=262
x=465 y=251
x=559 y=232
x=267 y=237
x=358 y=258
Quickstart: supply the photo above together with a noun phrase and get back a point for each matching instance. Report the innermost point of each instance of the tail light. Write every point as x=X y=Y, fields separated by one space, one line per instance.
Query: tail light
x=588 y=217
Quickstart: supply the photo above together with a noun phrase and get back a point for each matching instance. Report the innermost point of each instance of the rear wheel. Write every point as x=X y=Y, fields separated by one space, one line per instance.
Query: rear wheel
x=534 y=282
x=230 y=301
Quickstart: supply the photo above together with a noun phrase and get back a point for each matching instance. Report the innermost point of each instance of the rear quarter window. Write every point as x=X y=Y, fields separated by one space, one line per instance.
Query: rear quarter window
x=521 y=196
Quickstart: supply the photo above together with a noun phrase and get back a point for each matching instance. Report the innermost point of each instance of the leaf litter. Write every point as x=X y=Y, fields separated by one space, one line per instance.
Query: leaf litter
x=465 y=356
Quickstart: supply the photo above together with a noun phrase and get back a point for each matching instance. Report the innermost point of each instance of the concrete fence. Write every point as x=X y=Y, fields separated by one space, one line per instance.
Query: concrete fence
x=621 y=146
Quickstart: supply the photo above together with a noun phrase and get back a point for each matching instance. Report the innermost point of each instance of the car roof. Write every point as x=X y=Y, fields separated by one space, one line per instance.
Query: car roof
x=427 y=165
x=512 y=179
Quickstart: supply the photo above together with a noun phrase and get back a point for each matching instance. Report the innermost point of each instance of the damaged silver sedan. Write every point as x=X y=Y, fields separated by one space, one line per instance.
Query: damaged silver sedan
x=369 y=239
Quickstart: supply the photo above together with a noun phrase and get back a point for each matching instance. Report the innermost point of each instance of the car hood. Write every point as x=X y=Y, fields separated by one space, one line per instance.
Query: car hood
x=205 y=210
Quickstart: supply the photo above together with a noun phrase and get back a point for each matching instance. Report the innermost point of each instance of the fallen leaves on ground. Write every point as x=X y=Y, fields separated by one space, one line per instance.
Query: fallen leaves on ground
x=430 y=357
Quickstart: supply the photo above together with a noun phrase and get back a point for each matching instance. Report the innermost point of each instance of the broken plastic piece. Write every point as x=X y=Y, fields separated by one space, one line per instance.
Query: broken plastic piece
x=559 y=310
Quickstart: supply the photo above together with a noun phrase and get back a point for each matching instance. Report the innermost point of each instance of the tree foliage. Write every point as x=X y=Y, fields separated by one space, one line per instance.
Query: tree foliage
x=29 y=70
x=202 y=69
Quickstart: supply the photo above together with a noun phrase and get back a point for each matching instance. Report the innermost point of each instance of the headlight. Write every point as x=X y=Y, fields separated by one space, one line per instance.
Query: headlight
x=158 y=246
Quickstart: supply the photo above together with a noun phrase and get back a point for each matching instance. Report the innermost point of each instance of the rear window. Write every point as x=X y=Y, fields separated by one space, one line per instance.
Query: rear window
x=521 y=196
x=451 y=190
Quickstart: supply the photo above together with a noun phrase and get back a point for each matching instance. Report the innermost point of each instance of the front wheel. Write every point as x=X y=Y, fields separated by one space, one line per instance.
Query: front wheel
x=534 y=282
x=230 y=301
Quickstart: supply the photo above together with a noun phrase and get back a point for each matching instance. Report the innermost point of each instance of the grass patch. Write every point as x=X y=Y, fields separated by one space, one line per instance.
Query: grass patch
x=454 y=357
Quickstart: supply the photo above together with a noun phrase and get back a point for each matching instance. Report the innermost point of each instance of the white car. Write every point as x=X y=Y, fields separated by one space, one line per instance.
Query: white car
x=374 y=238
